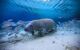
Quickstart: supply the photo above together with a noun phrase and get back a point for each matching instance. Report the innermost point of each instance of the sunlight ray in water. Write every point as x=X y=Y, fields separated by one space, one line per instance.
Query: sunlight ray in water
x=65 y=9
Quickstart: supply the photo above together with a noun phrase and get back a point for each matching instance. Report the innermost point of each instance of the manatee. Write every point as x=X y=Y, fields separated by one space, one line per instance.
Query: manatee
x=42 y=26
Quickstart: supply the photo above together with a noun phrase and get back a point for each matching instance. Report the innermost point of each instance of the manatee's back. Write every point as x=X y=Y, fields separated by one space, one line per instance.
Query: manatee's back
x=44 y=23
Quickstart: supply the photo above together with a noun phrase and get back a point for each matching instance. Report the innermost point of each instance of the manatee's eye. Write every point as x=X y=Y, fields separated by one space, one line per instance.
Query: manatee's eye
x=31 y=25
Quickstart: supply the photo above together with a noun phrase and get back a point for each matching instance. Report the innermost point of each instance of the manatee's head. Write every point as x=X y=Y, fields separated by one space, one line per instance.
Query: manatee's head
x=28 y=27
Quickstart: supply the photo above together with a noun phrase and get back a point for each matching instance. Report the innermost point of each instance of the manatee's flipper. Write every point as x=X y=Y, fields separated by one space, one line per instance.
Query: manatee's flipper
x=40 y=34
x=32 y=33
x=50 y=30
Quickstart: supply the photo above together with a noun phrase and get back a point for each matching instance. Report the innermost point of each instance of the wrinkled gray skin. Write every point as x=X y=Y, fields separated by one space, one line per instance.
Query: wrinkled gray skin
x=43 y=26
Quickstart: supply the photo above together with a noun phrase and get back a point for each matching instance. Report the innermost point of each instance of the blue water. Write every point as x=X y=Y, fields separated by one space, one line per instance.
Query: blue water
x=59 y=10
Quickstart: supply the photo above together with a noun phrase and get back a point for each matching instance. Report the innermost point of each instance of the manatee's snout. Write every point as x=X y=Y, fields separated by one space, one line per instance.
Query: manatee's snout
x=28 y=29
x=25 y=29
